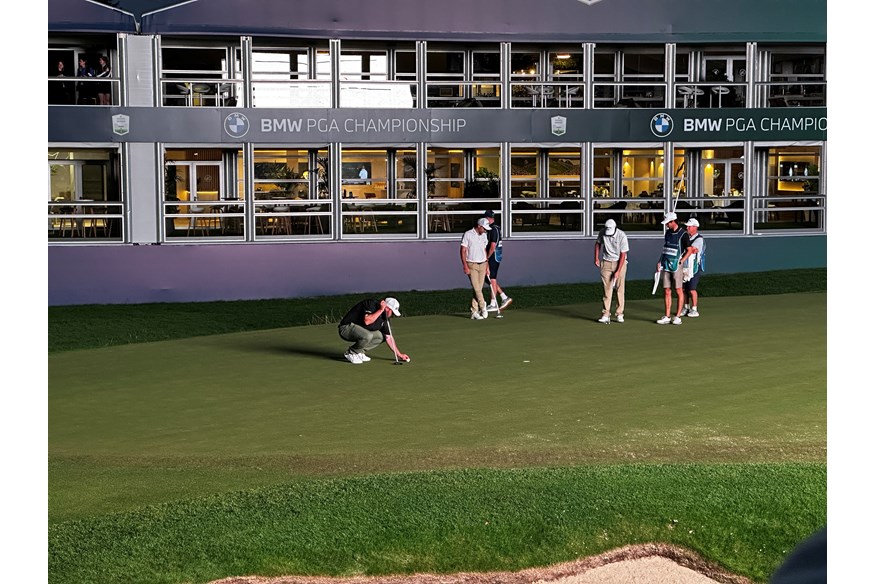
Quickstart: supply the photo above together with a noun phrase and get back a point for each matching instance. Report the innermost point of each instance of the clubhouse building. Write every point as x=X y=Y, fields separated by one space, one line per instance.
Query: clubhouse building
x=243 y=149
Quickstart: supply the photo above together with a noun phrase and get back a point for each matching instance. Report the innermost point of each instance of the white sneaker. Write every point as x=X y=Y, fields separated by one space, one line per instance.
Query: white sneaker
x=605 y=319
x=505 y=303
x=363 y=357
x=684 y=311
x=664 y=320
x=476 y=315
x=620 y=317
x=492 y=307
x=353 y=357
x=484 y=313
x=693 y=313
x=676 y=320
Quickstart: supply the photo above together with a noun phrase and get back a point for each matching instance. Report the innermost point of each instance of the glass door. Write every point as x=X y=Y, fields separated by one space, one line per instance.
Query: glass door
x=188 y=185
x=723 y=178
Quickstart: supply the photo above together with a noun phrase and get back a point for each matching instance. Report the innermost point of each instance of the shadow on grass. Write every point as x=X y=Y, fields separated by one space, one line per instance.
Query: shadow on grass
x=286 y=349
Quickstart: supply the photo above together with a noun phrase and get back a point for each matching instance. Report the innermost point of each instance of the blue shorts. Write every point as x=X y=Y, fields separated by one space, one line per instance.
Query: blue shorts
x=494 y=268
x=692 y=283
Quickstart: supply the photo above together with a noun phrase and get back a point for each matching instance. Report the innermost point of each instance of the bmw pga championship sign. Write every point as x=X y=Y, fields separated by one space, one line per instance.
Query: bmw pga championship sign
x=268 y=125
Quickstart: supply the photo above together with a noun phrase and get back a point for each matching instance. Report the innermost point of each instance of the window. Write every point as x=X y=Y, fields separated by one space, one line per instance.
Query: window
x=441 y=68
x=281 y=78
x=524 y=174
x=797 y=77
x=564 y=182
x=85 y=199
x=369 y=205
x=199 y=76
x=628 y=186
x=629 y=77
x=362 y=65
x=200 y=195
x=721 y=202
x=794 y=197
x=96 y=81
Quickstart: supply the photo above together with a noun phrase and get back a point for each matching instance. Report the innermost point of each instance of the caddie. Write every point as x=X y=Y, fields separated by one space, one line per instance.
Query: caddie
x=670 y=268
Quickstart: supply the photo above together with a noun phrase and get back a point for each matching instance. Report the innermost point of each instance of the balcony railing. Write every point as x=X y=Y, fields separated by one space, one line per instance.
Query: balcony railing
x=201 y=92
x=550 y=94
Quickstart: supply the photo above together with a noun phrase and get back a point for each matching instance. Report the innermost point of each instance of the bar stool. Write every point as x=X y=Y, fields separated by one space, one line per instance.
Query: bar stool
x=311 y=219
x=283 y=223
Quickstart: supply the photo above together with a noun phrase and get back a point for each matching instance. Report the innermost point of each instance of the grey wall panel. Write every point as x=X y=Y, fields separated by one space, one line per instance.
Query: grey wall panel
x=188 y=273
x=139 y=81
x=143 y=193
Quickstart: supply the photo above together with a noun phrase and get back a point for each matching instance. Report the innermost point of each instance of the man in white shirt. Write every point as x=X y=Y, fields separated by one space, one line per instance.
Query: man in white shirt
x=610 y=255
x=473 y=252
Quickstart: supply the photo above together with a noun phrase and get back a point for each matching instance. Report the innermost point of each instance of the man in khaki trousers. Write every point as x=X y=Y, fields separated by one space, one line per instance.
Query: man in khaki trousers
x=473 y=253
x=610 y=256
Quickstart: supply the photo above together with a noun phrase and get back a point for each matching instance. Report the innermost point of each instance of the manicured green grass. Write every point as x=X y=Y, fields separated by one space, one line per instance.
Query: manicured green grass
x=265 y=452
x=743 y=516
x=92 y=326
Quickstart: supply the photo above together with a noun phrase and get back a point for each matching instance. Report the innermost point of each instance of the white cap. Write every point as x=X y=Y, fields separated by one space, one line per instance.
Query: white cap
x=610 y=227
x=392 y=304
x=669 y=217
x=485 y=223
x=692 y=223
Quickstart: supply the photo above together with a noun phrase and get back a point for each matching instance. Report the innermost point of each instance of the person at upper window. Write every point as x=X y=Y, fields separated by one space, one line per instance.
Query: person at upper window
x=104 y=89
x=363 y=173
x=85 y=90
x=60 y=92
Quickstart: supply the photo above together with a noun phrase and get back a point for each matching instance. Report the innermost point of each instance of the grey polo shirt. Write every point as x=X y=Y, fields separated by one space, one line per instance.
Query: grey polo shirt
x=610 y=247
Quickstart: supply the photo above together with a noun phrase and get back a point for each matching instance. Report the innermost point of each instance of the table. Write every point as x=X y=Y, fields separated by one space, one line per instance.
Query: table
x=720 y=91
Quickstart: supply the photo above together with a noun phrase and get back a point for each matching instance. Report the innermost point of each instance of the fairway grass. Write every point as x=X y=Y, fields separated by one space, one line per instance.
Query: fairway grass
x=196 y=458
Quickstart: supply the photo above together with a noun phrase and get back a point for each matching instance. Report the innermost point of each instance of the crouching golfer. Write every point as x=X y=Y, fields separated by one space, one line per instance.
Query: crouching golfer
x=366 y=325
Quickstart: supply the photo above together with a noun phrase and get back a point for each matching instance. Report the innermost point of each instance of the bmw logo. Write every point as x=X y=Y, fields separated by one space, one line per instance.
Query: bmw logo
x=236 y=125
x=661 y=125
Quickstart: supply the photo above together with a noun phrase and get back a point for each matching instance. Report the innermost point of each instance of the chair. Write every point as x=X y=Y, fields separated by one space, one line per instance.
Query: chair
x=603 y=217
x=197 y=224
x=728 y=215
x=283 y=223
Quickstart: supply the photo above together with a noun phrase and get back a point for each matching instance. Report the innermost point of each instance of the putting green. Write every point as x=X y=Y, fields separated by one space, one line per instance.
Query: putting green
x=138 y=424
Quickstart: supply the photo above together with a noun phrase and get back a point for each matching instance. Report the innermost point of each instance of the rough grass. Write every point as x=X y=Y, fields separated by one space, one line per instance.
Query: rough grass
x=745 y=517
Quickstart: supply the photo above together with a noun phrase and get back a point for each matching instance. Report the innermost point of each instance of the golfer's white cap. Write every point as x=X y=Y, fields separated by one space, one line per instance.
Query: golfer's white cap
x=693 y=223
x=485 y=223
x=392 y=303
x=610 y=226
x=669 y=217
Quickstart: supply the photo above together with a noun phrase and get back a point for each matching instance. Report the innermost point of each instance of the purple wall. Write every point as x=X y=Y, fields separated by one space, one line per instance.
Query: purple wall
x=122 y=274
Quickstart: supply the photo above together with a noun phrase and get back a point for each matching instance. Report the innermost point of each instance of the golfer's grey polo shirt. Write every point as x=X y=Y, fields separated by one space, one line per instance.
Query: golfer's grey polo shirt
x=611 y=247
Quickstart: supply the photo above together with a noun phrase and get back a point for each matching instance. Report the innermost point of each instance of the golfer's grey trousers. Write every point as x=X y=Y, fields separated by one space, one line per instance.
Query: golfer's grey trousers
x=362 y=338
